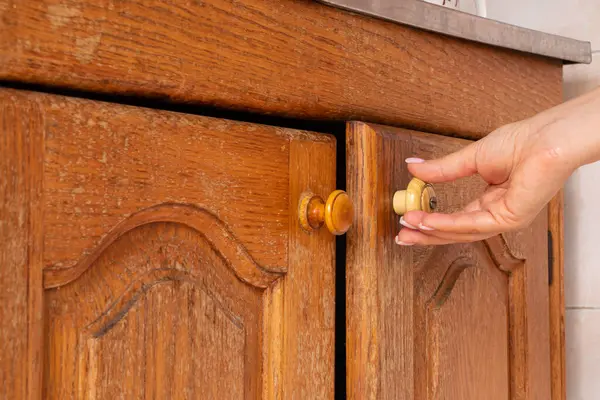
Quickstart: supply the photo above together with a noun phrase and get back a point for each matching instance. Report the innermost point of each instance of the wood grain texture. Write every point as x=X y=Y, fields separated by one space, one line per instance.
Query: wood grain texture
x=557 y=299
x=105 y=163
x=159 y=315
x=186 y=274
x=21 y=230
x=448 y=322
x=461 y=326
x=309 y=305
x=294 y=58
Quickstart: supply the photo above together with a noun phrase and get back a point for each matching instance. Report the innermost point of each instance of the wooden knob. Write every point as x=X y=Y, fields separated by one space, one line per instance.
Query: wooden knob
x=418 y=196
x=337 y=213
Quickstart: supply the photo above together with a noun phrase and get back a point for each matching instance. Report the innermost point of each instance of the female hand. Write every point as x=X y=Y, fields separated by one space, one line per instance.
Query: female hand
x=525 y=164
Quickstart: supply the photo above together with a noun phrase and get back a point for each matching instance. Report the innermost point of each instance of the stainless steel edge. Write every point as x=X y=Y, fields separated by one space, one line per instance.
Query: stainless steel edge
x=434 y=18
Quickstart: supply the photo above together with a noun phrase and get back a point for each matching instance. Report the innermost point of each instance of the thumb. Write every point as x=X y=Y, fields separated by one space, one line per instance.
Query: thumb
x=453 y=166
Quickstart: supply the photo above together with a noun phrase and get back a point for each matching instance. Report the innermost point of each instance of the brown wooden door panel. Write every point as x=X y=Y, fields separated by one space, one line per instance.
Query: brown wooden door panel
x=452 y=322
x=160 y=314
x=173 y=262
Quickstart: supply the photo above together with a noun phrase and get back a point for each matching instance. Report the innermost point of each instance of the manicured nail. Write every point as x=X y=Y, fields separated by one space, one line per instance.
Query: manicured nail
x=401 y=243
x=424 y=228
x=414 y=160
x=406 y=224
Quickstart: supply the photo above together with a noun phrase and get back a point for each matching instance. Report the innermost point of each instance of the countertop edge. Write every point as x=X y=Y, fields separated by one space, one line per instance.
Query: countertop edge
x=443 y=20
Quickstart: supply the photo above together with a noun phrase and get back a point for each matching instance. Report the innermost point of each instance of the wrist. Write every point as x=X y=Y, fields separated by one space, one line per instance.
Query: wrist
x=573 y=130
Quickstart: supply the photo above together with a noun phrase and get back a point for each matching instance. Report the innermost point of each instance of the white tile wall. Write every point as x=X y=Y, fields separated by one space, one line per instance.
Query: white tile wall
x=583 y=78
x=583 y=357
x=582 y=244
x=579 y=19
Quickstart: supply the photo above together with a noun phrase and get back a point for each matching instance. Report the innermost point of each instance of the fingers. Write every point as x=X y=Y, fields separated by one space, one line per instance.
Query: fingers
x=409 y=237
x=422 y=235
x=465 y=222
x=453 y=166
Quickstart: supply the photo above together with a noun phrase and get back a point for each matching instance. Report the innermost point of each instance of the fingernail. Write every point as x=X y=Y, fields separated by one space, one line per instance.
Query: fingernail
x=414 y=160
x=401 y=243
x=406 y=224
x=425 y=228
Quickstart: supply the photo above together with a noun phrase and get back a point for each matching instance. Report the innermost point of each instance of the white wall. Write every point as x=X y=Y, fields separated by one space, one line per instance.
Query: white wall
x=579 y=19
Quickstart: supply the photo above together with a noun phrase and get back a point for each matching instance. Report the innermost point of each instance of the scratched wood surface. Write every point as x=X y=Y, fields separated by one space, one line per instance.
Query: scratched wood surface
x=185 y=274
x=448 y=322
x=295 y=58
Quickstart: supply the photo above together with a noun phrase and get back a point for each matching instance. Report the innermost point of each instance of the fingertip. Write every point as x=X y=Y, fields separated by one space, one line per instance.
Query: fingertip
x=410 y=237
x=432 y=221
x=401 y=243
x=412 y=219
x=406 y=224
x=406 y=237
x=414 y=160
x=426 y=171
x=414 y=169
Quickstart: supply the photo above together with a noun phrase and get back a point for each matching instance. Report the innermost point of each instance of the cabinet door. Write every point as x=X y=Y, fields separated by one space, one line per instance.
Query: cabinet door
x=455 y=322
x=172 y=258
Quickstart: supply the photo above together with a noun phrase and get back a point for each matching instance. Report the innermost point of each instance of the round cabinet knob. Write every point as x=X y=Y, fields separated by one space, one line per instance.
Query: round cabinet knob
x=337 y=213
x=418 y=196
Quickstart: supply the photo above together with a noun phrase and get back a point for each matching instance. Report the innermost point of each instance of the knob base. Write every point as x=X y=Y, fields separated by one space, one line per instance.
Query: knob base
x=311 y=212
x=399 y=202
x=337 y=213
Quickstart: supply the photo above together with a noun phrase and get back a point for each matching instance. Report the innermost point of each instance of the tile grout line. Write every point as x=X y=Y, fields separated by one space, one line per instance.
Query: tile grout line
x=583 y=308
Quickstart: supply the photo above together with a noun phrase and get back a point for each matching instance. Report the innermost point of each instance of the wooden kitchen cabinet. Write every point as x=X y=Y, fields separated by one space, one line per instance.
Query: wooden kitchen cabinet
x=462 y=321
x=158 y=165
x=172 y=259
